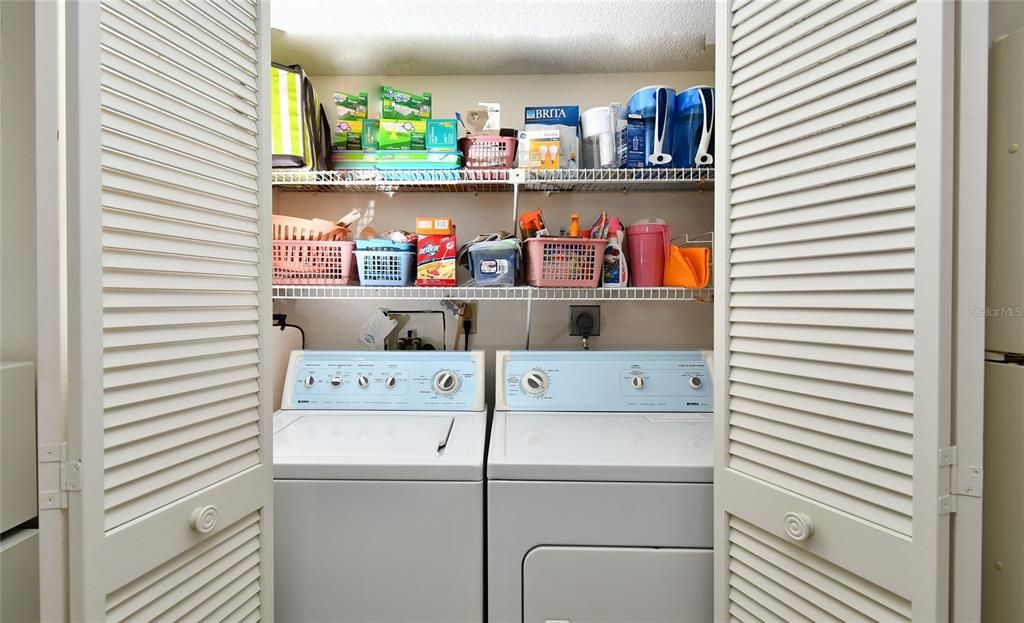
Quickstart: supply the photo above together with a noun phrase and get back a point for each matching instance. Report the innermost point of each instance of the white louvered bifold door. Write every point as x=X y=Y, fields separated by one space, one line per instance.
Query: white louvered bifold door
x=168 y=221
x=833 y=310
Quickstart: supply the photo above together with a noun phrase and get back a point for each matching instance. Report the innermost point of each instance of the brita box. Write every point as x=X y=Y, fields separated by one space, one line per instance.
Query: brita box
x=565 y=119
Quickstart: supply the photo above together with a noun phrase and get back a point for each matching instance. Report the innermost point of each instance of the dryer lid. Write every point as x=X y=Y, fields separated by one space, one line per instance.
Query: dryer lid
x=634 y=447
x=377 y=446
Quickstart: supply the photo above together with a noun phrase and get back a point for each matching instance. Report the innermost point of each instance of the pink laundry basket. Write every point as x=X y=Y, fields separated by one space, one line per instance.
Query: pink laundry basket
x=313 y=262
x=564 y=262
x=488 y=152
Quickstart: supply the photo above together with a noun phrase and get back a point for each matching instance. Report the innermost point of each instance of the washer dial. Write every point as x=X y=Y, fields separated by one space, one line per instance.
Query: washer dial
x=535 y=382
x=363 y=381
x=696 y=382
x=638 y=381
x=390 y=382
x=309 y=381
x=446 y=382
x=335 y=381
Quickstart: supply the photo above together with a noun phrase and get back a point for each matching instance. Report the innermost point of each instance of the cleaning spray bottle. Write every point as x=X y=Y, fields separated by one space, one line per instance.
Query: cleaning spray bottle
x=614 y=273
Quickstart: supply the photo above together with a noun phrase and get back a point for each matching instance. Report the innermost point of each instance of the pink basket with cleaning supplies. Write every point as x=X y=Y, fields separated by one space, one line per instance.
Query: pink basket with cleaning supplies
x=564 y=262
x=488 y=152
x=313 y=262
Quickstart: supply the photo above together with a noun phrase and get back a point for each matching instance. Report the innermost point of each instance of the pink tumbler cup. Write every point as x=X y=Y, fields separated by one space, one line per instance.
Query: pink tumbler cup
x=647 y=247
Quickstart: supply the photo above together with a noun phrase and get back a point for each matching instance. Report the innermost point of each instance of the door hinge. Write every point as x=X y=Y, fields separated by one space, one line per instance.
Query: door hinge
x=70 y=476
x=964 y=480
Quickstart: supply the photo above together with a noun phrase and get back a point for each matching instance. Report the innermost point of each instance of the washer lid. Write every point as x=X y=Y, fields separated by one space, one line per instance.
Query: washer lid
x=634 y=447
x=378 y=446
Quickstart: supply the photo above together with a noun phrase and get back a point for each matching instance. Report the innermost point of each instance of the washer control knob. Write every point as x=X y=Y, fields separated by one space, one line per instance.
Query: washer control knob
x=638 y=382
x=309 y=381
x=335 y=381
x=696 y=382
x=446 y=382
x=535 y=382
x=390 y=382
x=363 y=381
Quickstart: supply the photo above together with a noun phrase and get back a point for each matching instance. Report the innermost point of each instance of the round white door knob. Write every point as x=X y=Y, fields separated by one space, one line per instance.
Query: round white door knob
x=798 y=526
x=204 y=518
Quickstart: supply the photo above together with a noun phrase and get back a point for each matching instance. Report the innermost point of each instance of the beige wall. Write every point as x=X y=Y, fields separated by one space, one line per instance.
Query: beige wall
x=17 y=184
x=1005 y=16
x=502 y=325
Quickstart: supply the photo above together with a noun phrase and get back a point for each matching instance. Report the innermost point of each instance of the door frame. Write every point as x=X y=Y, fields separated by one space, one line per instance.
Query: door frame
x=51 y=302
x=971 y=197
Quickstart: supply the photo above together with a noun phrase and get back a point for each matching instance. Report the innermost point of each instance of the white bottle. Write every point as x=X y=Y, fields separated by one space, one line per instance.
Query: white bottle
x=615 y=272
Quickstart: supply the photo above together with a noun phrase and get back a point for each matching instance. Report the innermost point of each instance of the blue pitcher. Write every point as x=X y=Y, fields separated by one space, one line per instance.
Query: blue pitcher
x=656 y=104
x=693 y=144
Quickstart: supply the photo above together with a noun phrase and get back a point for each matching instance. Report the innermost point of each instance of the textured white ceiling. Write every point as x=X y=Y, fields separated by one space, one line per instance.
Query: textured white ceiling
x=437 y=37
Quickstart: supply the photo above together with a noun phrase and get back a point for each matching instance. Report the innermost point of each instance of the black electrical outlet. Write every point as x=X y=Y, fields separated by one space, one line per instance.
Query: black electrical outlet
x=585 y=320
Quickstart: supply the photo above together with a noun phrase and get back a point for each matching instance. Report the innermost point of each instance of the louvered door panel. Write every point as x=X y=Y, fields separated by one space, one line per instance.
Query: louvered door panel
x=220 y=576
x=772 y=580
x=172 y=287
x=827 y=216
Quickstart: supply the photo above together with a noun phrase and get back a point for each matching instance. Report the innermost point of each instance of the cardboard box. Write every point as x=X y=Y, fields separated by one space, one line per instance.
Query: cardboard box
x=431 y=226
x=429 y=134
x=396 y=104
x=371 y=132
x=436 y=252
x=564 y=119
x=402 y=134
x=350 y=113
x=442 y=135
x=540 y=149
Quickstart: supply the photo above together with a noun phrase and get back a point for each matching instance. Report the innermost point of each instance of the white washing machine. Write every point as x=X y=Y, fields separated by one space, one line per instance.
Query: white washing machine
x=378 y=488
x=599 y=499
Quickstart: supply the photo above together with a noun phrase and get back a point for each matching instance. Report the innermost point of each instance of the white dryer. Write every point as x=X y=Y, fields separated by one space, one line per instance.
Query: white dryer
x=378 y=488
x=599 y=501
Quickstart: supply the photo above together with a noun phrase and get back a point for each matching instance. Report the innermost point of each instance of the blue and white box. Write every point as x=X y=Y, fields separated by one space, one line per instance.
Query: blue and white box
x=566 y=119
x=636 y=148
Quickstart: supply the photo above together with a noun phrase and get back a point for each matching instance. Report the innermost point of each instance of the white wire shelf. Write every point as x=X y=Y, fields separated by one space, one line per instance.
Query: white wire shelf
x=476 y=293
x=617 y=180
x=494 y=180
x=399 y=180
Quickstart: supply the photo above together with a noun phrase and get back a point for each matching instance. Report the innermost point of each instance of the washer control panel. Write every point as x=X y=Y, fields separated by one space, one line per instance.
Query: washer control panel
x=407 y=380
x=604 y=381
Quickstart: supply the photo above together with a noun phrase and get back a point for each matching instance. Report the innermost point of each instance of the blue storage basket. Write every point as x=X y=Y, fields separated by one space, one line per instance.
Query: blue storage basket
x=386 y=268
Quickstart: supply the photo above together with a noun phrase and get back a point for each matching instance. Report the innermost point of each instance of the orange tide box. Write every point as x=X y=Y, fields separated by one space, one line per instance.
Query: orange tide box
x=435 y=260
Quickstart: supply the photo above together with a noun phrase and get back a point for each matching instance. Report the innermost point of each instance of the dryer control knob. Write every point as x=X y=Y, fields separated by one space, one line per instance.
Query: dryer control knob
x=309 y=381
x=363 y=381
x=335 y=381
x=535 y=382
x=390 y=382
x=638 y=381
x=446 y=382
x=696 y=382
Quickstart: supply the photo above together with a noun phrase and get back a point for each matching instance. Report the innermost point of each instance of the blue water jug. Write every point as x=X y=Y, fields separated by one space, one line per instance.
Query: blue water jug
x=693 y=144
x=656 y=104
